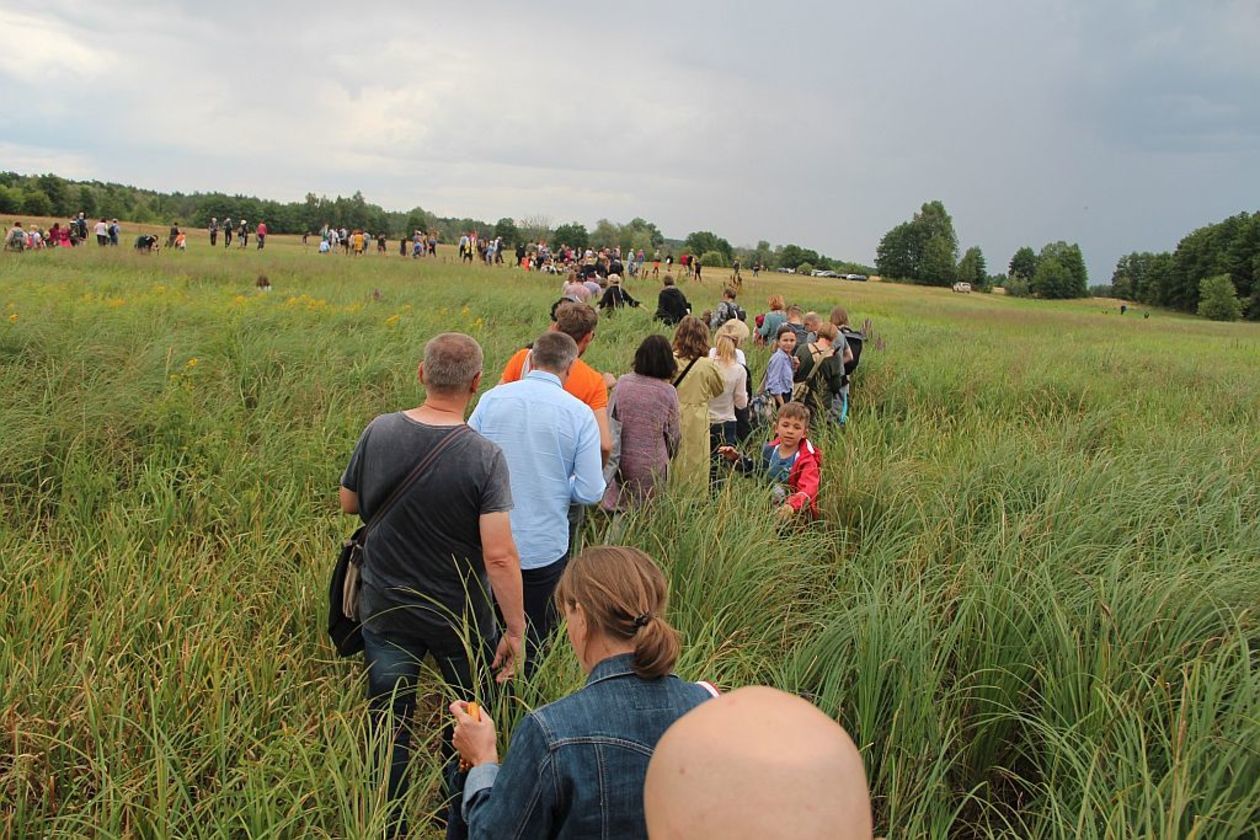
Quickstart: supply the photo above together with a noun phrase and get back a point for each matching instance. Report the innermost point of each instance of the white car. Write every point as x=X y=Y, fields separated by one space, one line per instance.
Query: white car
x=855 y=277
x=965 y=288
x=820 y=273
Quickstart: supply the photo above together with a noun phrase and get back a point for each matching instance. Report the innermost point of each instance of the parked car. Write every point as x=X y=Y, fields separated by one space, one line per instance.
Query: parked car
x=962 y=287
x=860 y=277
x=787 y=270
x=818 y=272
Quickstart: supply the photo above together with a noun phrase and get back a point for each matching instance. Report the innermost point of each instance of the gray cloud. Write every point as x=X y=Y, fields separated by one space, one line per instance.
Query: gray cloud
x=1119 y=125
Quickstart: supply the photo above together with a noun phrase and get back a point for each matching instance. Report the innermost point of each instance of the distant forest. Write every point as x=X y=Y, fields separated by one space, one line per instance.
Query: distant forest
x=52 y=195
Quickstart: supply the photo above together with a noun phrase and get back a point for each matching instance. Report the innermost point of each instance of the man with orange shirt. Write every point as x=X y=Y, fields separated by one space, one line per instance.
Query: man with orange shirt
x=576 y=320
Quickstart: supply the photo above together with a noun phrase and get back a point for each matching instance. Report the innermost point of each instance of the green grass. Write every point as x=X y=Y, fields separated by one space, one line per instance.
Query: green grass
x=1033 y=604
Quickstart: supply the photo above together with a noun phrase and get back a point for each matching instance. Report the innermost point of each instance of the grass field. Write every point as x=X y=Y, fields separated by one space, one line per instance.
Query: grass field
x=1034 y=602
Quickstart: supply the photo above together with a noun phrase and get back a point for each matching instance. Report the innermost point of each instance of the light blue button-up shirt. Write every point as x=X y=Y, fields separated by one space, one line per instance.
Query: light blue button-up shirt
x=551 y=442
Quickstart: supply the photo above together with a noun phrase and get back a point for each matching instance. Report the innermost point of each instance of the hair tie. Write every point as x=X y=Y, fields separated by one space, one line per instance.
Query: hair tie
x=642 y=619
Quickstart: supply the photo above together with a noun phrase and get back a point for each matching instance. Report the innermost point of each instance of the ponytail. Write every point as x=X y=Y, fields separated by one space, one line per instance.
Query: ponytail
x=624 y=596
x=656 y=649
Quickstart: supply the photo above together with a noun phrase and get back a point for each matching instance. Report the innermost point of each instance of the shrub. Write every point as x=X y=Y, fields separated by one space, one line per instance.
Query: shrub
x=1018 y=286
x=804 y=268
x=713 y=259
x=1218 y=300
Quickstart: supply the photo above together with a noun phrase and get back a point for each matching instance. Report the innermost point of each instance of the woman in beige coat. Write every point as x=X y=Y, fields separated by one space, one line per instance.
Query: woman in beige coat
x=698 y=381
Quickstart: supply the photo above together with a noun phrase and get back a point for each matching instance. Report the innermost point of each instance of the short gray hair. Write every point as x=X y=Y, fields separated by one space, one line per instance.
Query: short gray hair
x=812 y=318
x=554 y=352
x=451 y=361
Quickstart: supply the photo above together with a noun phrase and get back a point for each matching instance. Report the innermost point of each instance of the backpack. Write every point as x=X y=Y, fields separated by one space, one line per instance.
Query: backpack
x=855 y=340
x=802 y=389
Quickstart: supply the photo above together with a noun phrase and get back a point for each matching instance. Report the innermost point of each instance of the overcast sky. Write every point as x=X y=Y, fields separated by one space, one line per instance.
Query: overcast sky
x=1118 y=124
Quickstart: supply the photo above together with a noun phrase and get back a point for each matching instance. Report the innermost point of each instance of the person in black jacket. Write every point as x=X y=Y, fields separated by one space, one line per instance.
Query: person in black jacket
x=615 y=296
x=671 y=303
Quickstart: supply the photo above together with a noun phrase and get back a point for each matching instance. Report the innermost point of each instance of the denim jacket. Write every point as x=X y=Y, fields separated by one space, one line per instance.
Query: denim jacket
x=576 y=766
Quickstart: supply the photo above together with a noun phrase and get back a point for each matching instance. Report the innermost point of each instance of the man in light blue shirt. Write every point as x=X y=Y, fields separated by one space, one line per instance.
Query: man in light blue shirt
x=551 y=442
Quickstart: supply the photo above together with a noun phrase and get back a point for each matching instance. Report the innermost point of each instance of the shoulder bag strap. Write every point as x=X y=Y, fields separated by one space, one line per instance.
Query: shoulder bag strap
x=686 y=371
x=413 y=477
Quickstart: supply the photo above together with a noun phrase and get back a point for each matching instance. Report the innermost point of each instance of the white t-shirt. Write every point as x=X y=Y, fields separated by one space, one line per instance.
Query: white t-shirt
x=102 y=229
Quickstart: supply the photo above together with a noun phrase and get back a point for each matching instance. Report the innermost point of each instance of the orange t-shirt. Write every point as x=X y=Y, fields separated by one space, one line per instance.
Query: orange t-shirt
x=584 y=381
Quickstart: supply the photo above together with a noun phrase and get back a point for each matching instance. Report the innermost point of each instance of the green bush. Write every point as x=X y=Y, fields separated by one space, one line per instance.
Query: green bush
x=1218 y=300
x=713 y=259
x=805 y=268
x=1018 y=286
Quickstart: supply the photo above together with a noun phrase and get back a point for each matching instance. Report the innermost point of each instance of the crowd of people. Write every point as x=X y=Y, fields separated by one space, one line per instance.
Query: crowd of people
x=69 y=235
x=553 y=438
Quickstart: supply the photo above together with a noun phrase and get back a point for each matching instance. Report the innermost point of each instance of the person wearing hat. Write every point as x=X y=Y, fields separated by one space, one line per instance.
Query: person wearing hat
x=616 y=297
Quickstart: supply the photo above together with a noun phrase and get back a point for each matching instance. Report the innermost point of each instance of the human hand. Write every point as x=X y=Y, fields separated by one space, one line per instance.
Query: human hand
x=796 y=363
x=609 y=380
x=473 y=738
x=785 y=511
x=730 y=453
x=506 y=656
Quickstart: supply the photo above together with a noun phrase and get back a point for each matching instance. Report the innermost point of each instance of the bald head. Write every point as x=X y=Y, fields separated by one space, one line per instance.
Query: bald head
x=756 y=763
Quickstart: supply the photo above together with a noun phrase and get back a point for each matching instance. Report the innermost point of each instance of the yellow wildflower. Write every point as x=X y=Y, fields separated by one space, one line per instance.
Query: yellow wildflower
x=192 y=363
x=13 y=317
x=392 y=321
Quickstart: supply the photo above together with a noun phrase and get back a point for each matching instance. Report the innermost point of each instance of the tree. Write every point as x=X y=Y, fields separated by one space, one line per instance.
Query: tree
x=897 y=256
x=713 y=259
x=535 y=228
x=805 y=268
x=1052 y=280
x=58 y=191
x=606 y=234
x=506 y=230
x=938 y=268
x=573 y=234
x=10 y=200
x=1218 y=300
x=971 y=268
x=1069 y=256
x=903 y=252
x=416 y=220
x=701 y=242
x=37 y=203
x=1024 y=263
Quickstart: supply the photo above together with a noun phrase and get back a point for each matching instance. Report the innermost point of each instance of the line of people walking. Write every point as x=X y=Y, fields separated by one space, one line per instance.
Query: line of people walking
x=476 y=565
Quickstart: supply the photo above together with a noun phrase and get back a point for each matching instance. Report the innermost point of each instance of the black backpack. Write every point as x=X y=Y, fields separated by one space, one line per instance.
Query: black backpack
x=854 y=339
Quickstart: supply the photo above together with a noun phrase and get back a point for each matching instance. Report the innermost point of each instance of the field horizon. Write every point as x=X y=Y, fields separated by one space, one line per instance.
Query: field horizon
x=1032 y=600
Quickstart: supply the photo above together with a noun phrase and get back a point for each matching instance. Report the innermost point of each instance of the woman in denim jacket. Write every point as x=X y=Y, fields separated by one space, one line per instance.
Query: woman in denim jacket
x=576 y=767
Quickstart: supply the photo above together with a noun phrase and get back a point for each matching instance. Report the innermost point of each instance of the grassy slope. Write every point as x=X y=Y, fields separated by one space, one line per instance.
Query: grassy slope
x=1033 y=604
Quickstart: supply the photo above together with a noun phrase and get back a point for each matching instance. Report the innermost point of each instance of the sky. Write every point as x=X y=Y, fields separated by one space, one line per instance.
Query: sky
x=1118 y=124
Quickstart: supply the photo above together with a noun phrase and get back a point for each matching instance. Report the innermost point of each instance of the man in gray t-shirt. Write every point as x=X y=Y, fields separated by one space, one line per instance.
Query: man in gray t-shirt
x=430 y=565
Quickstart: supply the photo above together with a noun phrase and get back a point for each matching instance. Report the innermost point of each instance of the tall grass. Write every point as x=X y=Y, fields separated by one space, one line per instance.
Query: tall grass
x=1033 y=601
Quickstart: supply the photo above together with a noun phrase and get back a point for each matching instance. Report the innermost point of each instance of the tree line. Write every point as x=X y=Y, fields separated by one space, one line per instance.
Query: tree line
x=924 y=250
x=1217 y=265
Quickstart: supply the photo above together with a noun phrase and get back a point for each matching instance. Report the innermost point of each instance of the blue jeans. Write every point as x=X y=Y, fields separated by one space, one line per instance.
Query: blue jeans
x=393 y=664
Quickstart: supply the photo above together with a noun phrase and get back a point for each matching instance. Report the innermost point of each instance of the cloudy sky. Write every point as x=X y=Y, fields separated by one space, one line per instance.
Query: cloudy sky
x=1120 y=124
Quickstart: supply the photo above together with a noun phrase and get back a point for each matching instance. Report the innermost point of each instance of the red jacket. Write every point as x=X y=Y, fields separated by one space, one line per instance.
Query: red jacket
x=804 y=477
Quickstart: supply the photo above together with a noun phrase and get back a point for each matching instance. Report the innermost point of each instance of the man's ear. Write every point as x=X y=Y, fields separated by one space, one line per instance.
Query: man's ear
x=476 y=383
x=420 y=373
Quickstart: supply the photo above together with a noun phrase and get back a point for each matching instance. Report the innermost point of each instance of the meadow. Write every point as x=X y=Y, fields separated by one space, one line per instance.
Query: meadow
x=1033 y=601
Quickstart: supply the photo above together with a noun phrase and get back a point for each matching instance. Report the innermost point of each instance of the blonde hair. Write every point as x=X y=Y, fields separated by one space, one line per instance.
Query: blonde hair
x=776 y=302
x=624 y=596
x=725 y=349
x=828 y=331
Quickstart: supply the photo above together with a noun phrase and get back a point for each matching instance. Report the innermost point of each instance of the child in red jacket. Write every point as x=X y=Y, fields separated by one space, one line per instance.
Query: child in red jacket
x=789 y=459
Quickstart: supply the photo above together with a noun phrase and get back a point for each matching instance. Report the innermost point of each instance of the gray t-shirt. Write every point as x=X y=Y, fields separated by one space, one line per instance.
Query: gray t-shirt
x=423 y=572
